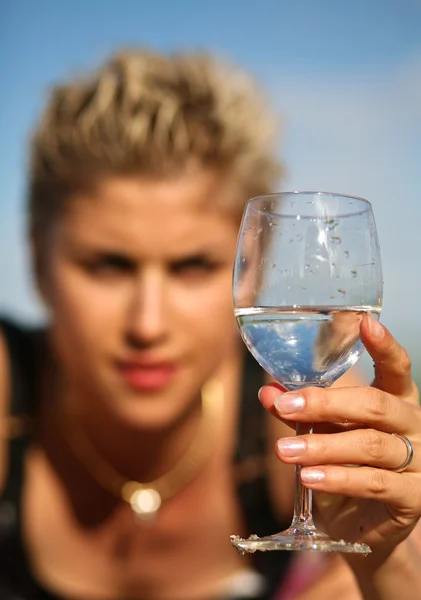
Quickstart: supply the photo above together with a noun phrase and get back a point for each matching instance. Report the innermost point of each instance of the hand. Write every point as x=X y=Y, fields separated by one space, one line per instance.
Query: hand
x=352 y=452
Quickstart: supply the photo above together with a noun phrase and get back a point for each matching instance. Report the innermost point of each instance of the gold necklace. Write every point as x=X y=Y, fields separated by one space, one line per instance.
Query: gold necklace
x=145 y=499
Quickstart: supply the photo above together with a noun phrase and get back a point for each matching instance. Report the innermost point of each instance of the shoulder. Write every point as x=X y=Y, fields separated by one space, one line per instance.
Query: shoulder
x=17 y=368
x=4 y=359
x=353 y=377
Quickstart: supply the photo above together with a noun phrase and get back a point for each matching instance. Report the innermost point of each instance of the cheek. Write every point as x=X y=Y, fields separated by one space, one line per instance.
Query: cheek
x=208 y=312
x=83 y=314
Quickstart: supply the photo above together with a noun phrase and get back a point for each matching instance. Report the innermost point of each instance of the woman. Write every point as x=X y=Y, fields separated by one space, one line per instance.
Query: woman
x=148 y=448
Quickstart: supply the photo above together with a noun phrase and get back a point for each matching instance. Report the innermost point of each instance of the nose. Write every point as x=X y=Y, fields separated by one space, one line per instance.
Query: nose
x=146 y=317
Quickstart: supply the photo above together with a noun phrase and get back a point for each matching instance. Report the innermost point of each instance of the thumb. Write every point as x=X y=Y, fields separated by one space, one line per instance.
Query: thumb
x=392 y=365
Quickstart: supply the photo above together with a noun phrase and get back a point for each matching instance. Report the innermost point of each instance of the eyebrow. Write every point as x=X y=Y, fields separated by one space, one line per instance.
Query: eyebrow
x=102 y=243
x=90 y=249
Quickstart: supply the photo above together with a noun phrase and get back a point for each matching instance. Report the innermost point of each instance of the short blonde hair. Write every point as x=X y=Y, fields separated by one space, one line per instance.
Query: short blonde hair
x=151 y=114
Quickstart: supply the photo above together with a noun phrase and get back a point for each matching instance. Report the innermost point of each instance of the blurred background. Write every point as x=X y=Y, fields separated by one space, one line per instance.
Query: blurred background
x=344 y=76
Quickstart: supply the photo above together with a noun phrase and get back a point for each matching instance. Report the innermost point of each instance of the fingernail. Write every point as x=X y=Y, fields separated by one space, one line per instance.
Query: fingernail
x=291 y=446
x=311 y=475
x=289 y=403
x=376 y=329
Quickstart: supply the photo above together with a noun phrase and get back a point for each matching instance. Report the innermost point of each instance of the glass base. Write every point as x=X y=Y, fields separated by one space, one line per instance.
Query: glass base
x=297 y=538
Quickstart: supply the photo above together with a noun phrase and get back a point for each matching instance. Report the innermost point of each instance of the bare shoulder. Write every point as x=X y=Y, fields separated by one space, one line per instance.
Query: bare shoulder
x=335 y=581
x=281 y=477
x=4 y=394
x=351 y=378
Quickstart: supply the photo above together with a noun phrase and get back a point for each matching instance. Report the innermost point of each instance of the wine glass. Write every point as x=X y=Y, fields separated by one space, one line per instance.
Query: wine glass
x=307 y=269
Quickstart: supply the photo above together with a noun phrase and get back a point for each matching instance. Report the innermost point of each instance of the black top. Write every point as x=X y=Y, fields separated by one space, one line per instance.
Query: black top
x=16 y=580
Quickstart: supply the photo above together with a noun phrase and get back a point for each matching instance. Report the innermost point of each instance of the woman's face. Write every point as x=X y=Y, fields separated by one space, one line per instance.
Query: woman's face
x=139 y=290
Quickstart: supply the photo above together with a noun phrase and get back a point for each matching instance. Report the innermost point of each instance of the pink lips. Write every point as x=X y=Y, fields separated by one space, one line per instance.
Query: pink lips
x=147 y=377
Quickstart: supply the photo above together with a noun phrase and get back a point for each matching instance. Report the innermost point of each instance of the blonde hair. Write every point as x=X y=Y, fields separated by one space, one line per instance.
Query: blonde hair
x=150 y=114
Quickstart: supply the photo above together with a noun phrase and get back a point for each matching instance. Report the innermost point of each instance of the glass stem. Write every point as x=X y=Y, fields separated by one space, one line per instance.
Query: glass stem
x=303 y=498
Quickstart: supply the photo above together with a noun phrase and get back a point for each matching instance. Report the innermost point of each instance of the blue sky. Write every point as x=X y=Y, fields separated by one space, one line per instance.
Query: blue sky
x=345 y=77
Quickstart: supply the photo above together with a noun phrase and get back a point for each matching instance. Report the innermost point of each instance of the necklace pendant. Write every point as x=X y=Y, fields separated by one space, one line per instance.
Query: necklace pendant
x=145 y=503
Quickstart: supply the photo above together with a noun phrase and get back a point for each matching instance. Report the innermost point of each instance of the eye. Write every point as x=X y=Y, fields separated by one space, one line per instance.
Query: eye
x=110 y=265
x=195 y=266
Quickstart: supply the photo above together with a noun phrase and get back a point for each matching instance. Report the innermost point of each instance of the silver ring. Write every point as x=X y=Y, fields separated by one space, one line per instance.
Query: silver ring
x=409 y=455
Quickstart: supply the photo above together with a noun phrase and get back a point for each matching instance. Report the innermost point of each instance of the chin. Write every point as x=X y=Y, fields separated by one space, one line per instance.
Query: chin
x=147 y=411
x=147 y=416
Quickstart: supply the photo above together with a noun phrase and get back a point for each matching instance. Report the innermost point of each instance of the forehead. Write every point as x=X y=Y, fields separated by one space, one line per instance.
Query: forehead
x=163 y=216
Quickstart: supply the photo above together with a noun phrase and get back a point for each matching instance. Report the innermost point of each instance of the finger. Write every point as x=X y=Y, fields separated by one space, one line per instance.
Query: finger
x=267 y=395
x=391 y=361
x=367 y=405
x=361 y=447
x=397 y=489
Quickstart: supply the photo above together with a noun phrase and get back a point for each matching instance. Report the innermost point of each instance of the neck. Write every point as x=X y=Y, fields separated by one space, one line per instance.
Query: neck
x=135 y=452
